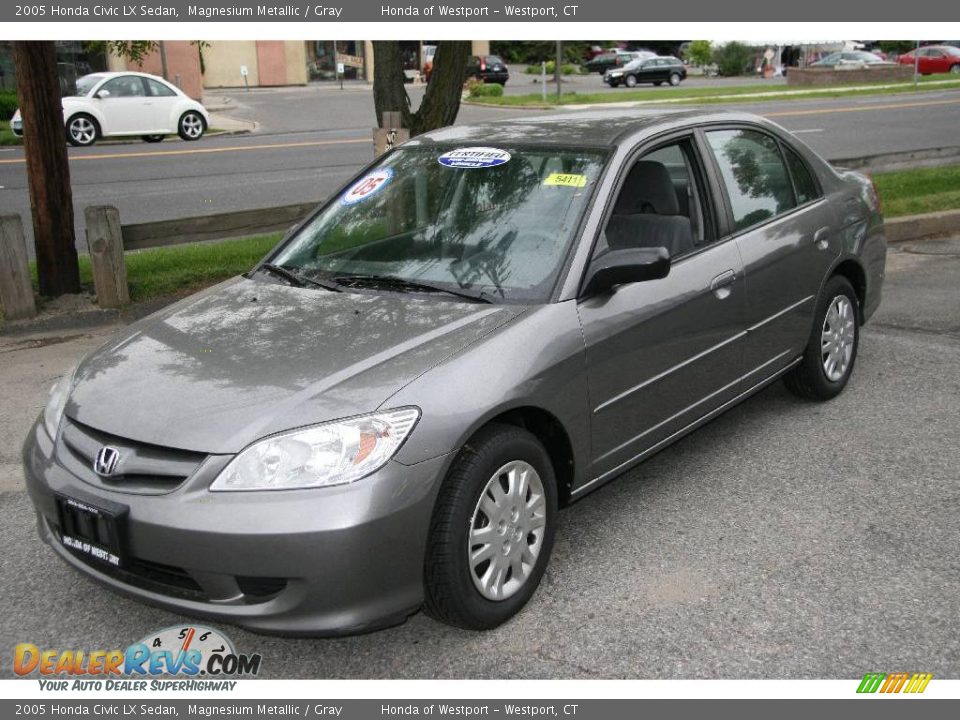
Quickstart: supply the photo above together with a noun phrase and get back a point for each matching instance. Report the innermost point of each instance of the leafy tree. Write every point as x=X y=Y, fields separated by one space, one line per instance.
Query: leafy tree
x=732 y=58
x=441 y=100
x=700 y=53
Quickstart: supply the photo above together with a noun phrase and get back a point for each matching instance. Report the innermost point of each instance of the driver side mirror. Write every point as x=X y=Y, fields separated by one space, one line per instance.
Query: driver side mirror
x=626 y=265
x=103 y=94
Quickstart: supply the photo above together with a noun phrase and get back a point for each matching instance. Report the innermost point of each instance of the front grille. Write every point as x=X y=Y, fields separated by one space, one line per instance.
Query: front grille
x=142 y=468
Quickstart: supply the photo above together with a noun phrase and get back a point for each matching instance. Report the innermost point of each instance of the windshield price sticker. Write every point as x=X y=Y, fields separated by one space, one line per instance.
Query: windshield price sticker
x=478 y=157
x=566 y=180
x=366 y=186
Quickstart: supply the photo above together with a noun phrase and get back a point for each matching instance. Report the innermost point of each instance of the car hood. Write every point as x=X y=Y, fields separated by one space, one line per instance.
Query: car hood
x=246 y=359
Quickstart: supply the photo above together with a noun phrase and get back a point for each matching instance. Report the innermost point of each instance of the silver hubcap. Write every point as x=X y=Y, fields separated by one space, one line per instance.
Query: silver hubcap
x=674 y=79
x=192 y=125
x=506 y=531
x=836 y=338
x=82 y=130
x=955 y=69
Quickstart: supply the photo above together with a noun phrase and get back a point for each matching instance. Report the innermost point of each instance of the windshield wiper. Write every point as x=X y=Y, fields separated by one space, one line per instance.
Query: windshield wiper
x=403 y=285
x=297 y=279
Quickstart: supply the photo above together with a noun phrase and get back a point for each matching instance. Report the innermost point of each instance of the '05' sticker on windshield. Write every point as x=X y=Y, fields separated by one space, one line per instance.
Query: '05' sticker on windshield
x=476 y=157
x=566 y=180
x=369 y=184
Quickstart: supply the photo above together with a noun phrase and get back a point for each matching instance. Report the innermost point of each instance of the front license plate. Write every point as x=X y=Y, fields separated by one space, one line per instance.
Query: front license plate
x=91 y=530
x=17 y=125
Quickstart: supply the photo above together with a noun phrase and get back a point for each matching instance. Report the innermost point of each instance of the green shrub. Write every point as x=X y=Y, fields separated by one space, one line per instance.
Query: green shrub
x=8 y=104
x=733 y=58
x=565 y=69
x=486 y=90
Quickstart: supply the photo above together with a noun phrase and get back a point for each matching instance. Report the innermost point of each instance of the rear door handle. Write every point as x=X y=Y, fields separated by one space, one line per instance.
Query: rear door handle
x=720 y=285
x=821 y=238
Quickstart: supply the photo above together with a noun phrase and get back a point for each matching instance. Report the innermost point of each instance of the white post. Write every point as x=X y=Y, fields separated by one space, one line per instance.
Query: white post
x=543 y=80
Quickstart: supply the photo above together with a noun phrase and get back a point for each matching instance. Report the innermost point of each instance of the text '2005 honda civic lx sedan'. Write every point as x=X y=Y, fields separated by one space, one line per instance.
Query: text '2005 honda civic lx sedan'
x=485 y=324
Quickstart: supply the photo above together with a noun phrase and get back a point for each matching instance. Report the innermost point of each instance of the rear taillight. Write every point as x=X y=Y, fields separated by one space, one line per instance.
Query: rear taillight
x=483 y=64
x=875 y=201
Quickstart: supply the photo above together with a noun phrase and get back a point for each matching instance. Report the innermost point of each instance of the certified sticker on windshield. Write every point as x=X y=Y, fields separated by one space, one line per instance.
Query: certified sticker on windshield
x=369 y=184
x=474 y=157
x=566 y=180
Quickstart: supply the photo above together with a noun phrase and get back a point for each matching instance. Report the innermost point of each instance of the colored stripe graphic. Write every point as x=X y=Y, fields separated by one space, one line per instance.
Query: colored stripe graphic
x=894 y=682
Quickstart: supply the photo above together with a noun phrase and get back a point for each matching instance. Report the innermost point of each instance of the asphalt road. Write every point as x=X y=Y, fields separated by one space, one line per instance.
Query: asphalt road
x=311 y=140
x=786 y=539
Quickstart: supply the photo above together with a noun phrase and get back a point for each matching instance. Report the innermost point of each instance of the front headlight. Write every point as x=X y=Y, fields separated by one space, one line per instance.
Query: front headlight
x=616 y=73
x=53 y=412
x=333 y=453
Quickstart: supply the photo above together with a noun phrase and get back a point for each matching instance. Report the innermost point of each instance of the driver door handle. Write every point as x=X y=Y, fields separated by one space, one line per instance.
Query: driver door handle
x=821 y=238
x=720 y=285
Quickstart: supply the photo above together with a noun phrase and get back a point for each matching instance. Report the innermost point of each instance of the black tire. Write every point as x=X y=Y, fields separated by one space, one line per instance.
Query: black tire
x=186 y=124
x=152 y=138
x=82 y=139
x=631 y=81
x=675 y=79
x=809 y=380
x=450 y=593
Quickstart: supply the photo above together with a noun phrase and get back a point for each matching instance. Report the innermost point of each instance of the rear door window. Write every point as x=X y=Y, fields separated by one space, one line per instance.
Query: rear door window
x=803 y=182
x=754 y=175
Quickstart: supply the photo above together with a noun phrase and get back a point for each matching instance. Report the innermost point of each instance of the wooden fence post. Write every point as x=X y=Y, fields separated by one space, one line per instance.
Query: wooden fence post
x=105 y=242
x=16 y=290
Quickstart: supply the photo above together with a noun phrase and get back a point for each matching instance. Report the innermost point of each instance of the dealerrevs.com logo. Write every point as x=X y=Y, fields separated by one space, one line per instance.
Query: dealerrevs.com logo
x=189 y=657
x=887 y=683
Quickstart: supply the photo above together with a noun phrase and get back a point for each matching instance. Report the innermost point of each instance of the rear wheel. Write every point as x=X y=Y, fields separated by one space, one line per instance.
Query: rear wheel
x=832 y=350
x=82 y=130
x=152 y=138
x=955 y=69
x=674 y=79
x=191 y=125
x=492 y=530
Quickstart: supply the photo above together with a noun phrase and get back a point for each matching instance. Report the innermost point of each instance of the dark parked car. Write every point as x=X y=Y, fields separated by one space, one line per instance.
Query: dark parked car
x=656 y=70
x=603 y=62
x=485 y=323
x=488 y=69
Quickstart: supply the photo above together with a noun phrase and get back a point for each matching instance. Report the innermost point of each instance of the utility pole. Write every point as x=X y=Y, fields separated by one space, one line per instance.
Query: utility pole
x=163 y=60
x=559 y=63
x=916 y=63
x=48 y=173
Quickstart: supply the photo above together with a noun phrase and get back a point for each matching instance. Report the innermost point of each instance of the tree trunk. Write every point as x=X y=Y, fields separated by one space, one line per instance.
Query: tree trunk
x=441 y=101
x=48 y=172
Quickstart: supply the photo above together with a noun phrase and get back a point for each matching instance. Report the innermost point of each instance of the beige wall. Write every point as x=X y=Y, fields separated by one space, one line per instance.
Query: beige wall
x=480 y=47
x=296 y=52
x=223 y=60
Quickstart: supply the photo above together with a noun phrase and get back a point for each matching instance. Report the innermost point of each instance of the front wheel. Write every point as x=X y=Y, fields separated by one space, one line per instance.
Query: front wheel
x=674 y=79
x=631 y=81
x=492 y=530
x=82 y=130
x=191 y=126
x=832 y=350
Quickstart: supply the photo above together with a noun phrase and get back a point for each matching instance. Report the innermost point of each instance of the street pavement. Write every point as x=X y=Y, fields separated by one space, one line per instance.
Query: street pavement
x=785 y=539
x=310 y=140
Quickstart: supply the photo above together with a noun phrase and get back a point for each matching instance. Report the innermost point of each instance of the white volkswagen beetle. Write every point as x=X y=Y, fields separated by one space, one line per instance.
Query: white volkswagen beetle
x=111 y=104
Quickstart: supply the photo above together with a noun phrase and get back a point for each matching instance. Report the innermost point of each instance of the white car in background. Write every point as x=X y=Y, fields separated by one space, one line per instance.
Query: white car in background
x=112 y=104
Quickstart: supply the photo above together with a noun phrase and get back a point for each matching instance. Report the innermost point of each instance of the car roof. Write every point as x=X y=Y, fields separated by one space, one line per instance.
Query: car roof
x=589 y=128
x=117 y=73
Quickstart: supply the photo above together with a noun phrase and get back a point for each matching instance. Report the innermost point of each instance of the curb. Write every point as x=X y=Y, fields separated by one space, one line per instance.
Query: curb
x=921 y=227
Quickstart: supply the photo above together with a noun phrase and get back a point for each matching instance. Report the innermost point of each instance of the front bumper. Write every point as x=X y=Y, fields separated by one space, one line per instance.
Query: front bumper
x=326 y=561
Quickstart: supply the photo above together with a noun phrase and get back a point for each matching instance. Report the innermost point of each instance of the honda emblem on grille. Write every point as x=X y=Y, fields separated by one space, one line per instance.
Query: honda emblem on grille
x=106 y=461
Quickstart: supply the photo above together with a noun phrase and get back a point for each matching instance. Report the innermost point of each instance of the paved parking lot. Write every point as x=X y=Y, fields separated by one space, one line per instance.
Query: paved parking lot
x=784 y=540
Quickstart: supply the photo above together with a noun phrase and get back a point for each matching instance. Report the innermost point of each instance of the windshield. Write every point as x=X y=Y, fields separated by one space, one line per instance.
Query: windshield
x=496 y=220
x=86 y=83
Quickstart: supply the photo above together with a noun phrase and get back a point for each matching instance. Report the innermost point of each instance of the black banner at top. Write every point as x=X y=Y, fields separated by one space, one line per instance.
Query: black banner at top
x=570 y=11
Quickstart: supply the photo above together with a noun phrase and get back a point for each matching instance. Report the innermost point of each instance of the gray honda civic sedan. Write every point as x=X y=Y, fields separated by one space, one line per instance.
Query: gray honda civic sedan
x=485 y=324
